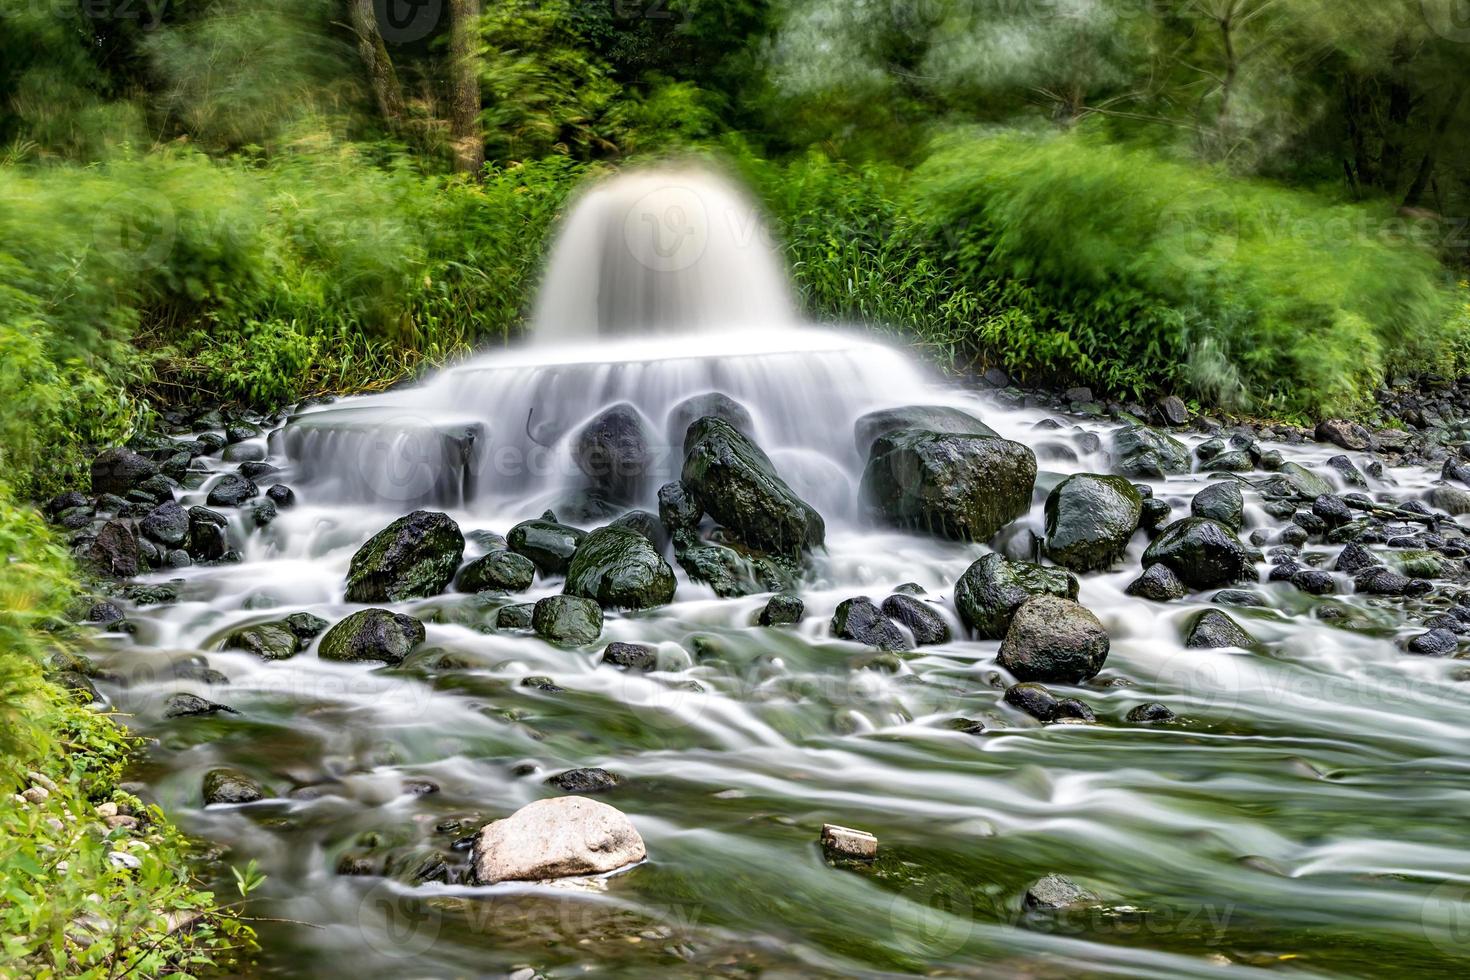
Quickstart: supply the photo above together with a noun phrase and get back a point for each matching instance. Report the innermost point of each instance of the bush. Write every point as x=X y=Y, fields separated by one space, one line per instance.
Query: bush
x=1139 y=275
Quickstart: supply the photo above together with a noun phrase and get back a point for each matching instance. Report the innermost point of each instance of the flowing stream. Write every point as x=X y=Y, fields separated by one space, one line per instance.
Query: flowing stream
x=1300 y=817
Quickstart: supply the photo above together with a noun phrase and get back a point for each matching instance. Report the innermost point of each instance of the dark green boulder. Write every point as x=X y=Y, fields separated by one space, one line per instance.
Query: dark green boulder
x=499 y=571
x=931 y=418
x=414 y=557
x=993 y=588
x=736 y=484
x=1203 y=553
x=567 y=619
x=1054 y=641
x=618 y=568
x=1139 y=451
x=548 y=543
x=1090 y=519
x=372 y=635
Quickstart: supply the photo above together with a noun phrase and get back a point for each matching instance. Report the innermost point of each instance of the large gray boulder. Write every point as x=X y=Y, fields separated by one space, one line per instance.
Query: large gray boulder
x=860 y=621
x=993 y=588
x=268 y=641
x=931 y=418
x=953 y=485
x=556 y=838
x=372 y=635
x=1090 y=519
x=1220 y=502
x=618 y=568
x=1054 y=641
x=736 y=484
x=1203 y=553
x=567 y=619
x=414 y=557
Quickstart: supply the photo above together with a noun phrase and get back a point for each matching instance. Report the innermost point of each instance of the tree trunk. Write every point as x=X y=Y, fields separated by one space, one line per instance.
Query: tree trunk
x=379 y=66
x=464 y=85
x=1415 y=194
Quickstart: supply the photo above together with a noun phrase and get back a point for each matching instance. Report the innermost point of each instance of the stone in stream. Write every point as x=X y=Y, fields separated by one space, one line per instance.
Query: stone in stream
x=1340 y=432
x=1090 y=519
x=1294 y=480
x=993 y=588
x=1172 y=410
x=1203 y=553
x=207 y=540
x=930 y=418
x=556 y=838
x=1150 y=713
x=711 y=404
x=114 y=551
x=118 y=471
x=646 y=524
x=567 y=619
x=1380 y=581
x=1053 y=640
x=1451 y=500
x=782 y=609
x=579 y=781
x=1354 y=558
x=726 y=571
x=613 y=452
x=231 y=490
x=167 y=524
x=549 y=544
x=1158 y=583
x=630 y=656
x=372 y=635
x=737 y=485
x=268 y=641
x=1214 y=630
x=922 y=619
x=1074 y=711
x=847 y=844
x=1331 y=510
x=1437 y=642
x=1054 y=893
x=413 y=557
x=1139 y=451
x=499 y=571
x=952 y=485
x=230 y=786
x=184 y=705
x=619 y=568
x=680 y=514
x=1034 y=699
x=860 y=621
x=1314 y=581
x=1155 y=514
x=281 y=495
x=1220 y=502
x=306 y=626
x=516 y=617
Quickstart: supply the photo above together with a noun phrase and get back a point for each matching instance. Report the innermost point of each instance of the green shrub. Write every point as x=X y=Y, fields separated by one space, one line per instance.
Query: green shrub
x=1139 y=275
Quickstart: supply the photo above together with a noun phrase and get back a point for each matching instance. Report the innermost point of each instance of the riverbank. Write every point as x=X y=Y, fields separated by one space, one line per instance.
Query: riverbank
x=98 y=885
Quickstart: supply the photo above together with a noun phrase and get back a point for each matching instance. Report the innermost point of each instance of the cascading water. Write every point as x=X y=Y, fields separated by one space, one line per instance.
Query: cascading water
x=1298 y=817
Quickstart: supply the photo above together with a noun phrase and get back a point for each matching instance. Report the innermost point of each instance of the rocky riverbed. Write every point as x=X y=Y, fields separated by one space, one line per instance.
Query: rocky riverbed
x=1114 y=690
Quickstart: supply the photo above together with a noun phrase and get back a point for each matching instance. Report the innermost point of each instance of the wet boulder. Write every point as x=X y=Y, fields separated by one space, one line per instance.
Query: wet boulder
x=614 y=452
x=306 y=626
x=711 y=404
x=499 y=571
x=1222 y=503
x=119 y=471
x=1054 y=893
x=1438 y=642
x=680 y=514
x=231 y=490
x=268 y=641
x=185 y=705
x=1033 y=699
x=372 y=635
x=993 y=588
x=1203 y=553
x=1150 y=713
x=1158 y=583
x=230 y=787
x=516 y=617
x=207 y=538
x=114 y=551
x=167 y=524
x=619 y=568
x=281 y=495
x=414 y=557
x=590 y=780
x=567 y=619
x=930 y=418
x=1054 y=641
x=636 y=657
x=1090 y=519
x=726 y=571
x=646 y=524
x=953 y=485
x=862 y=622
x=555 y=838
x=1214 y=630
x=1340 y=432
x=736 y=484
x=782 y=609
x=1149 y=454
x=548 y=543
x=922 y=619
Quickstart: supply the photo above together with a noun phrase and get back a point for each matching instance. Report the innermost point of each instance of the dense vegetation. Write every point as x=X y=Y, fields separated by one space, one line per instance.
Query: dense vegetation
x=1247 y=202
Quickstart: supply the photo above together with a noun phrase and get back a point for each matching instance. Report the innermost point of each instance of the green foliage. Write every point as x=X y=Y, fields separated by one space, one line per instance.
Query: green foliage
x=1138 y=274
